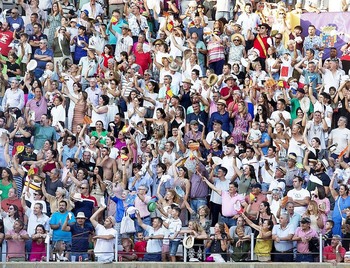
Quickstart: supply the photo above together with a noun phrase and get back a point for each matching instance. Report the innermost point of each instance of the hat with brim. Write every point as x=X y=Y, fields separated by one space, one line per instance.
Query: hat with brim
x=282 y=169
x=237 y=35
x=229 y=77
x=332 y=148
x=173 y=66
x=221 y=101
x=32 y=64
x=292 y=156
x=80 y=215
x=187 y=81
x=188 y=242
x=152 y=206
x=324 y=163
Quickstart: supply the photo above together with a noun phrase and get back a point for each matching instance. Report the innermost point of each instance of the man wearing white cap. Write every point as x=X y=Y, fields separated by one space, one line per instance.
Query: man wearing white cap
x=105 y=237
x=81 y=232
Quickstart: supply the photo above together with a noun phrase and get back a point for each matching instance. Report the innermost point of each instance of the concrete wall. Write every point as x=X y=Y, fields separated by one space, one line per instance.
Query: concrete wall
x=170 y=265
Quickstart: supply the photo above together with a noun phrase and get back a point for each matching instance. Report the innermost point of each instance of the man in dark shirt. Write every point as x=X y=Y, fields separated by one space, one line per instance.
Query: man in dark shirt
x=81 y=232
x=27 y=155
x=85 y=162
x=38 y=35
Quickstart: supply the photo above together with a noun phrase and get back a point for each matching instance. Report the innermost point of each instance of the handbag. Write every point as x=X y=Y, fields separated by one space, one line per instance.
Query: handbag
x=87 y=120
x=127 y=225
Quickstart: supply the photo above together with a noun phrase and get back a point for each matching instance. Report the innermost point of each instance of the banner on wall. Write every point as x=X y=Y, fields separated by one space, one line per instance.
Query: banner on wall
x=332 y=27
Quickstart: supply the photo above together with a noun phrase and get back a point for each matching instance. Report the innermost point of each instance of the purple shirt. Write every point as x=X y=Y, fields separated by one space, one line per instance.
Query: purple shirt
x=39 y=107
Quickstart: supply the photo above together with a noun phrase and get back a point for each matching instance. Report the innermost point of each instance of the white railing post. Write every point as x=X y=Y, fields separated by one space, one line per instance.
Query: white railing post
x=47 y=242
x=4 y=251
x=252 y=246
x=185 y=249
x=321 y=247
x=116 y=247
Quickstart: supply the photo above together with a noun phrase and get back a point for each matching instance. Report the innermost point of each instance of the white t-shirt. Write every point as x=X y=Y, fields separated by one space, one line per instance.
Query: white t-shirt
x=104 y=249
x=174 y=227
x=227 y=163
x=221 y=185
x=276 y=116
x=154 y=245
x=299 y=195
x=267 y=178
x=341 y=137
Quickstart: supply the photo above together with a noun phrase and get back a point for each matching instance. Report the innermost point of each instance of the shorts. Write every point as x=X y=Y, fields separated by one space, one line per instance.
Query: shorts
x=165 y=248
x=173 y=245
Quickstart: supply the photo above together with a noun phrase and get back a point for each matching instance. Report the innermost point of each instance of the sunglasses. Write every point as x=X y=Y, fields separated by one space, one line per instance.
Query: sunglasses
x=83 y=188
x=11 y=208
x=236 y=40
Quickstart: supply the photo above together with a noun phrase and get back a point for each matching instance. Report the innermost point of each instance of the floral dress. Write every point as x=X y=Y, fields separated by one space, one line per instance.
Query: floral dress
x=55 y=22
x=241 y=125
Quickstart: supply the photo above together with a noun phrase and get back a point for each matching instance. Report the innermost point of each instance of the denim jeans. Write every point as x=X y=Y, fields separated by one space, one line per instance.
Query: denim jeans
x=304 y=258
x=197 y=203
x=229 y=221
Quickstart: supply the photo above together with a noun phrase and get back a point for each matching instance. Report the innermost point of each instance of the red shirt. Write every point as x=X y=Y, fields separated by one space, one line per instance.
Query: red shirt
x=5 y=39
x=225 y=91
x=259 y=47
x=329 y=254
x=143 y=59
x=140 y=247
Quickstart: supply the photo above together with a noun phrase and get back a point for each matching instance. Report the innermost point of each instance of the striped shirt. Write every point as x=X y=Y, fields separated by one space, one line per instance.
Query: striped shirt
x=216 y=51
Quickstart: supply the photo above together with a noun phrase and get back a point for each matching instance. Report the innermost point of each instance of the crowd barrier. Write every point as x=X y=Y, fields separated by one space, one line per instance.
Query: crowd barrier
x=182 y=252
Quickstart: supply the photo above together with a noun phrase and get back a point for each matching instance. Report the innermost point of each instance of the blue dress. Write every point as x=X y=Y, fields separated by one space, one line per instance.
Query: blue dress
x=340 y=205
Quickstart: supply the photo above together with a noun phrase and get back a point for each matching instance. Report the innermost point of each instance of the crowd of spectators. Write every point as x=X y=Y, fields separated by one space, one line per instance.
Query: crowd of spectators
x=146 y=123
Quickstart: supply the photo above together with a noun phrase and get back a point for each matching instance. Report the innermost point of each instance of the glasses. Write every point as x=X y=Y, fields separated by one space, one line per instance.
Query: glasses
x=259 y=110
x=14 y=13
x=282 y=13
x=83 y=188
x=11 y=208
x=122 y=40
x=278 y=37
x=236 y=40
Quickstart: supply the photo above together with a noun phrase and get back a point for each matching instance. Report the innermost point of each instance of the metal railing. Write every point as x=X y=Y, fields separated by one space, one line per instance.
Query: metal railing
x=185 y=250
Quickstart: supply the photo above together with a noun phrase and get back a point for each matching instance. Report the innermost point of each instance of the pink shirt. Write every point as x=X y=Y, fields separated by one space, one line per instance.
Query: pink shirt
x=16 y=248
x=228 y=210
x=304 y=247
x=142 y=206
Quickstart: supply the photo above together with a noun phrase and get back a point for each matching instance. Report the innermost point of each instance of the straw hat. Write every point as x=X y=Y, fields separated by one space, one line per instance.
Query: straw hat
x=173 y=66
x=212 y=79
x=237 y=35
x=188 y=242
